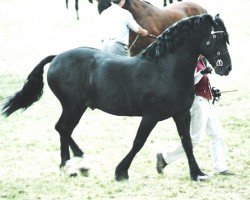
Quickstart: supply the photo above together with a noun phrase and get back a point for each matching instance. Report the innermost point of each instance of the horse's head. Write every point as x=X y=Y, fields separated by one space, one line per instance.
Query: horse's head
x=215 y=50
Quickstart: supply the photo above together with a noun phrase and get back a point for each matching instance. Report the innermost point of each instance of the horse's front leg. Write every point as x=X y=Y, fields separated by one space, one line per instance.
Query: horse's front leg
x=146 y=126
x=182 y=122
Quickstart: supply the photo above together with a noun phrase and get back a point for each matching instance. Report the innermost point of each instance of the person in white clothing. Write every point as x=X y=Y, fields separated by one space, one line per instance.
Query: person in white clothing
x=203 y=119
x=115 y=23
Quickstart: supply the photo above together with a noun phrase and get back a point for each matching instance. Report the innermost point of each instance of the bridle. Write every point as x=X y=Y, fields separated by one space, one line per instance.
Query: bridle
x=219 y=62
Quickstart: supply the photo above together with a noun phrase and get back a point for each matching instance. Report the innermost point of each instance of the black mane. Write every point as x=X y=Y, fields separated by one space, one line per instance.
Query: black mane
x=103 y=5
x=173 y=36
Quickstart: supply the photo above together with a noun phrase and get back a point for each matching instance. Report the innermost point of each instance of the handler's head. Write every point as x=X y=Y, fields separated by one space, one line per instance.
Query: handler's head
x=119 y=2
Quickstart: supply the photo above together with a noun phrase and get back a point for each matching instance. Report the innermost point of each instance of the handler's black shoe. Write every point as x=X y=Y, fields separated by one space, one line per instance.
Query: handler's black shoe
x=226 y=173
x=160 y=164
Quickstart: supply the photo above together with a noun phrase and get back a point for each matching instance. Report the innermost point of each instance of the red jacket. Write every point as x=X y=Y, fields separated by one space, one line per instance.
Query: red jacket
x=202 y=88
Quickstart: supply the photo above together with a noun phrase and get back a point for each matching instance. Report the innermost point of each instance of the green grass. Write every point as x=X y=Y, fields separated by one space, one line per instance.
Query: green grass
x=29 y=144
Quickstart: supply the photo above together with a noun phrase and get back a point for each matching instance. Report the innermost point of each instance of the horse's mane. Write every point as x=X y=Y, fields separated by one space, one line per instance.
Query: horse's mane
x=103 y=5
x=175 y=34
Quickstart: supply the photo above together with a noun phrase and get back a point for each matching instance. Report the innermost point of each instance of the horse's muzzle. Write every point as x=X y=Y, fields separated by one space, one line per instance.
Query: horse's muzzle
x=223 y=70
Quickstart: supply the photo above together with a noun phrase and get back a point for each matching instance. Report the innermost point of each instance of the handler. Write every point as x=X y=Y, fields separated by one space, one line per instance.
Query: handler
x=203 y=119
x=116 y=22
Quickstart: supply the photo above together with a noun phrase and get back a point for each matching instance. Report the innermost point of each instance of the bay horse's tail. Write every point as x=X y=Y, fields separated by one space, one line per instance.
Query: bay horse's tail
x=31 y=91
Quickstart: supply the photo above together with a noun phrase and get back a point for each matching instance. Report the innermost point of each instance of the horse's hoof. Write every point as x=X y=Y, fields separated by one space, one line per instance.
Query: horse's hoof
x=84 y=172
x=121 y=176
x=76 y=166
x=62 y=166
x=71 y=172
x=201 y=177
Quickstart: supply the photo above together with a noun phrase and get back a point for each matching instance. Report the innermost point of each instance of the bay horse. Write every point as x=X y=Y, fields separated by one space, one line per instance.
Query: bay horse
x=155 y=20
x=156 y=84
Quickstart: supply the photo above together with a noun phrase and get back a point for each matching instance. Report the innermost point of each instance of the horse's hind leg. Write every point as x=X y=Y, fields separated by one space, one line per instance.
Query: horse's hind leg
x=182 y=122
x=65 y=126
x=146 y=126
x=76 y=150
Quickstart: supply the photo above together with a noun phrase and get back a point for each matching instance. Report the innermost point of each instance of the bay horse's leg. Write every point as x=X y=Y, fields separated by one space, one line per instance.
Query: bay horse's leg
x=182 y=122
x=65 y=126
x=145 y=128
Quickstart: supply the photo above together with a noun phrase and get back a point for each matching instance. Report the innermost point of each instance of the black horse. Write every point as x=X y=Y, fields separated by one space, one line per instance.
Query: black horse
x=156 y=84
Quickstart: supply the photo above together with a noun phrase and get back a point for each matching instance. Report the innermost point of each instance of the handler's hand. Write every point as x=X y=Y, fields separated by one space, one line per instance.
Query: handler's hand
x=206 y=70
x=216 y=92
x=143 y=32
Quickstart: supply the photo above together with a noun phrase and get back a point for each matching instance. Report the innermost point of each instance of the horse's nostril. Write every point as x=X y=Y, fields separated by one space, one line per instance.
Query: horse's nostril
x=230 y=68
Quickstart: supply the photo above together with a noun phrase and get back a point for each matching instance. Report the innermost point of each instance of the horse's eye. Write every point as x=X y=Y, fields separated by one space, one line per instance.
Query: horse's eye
x=214 y=36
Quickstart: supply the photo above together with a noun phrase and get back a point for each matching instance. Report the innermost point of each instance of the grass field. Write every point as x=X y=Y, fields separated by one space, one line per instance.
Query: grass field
x=29 y=144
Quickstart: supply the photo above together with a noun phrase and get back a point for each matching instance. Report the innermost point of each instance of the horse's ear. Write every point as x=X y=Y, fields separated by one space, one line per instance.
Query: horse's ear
x=217 y=16
x=220 y=22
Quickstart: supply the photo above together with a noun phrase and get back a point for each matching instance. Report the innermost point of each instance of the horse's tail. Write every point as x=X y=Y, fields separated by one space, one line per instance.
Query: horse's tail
x=31 y=91
x=103 y=5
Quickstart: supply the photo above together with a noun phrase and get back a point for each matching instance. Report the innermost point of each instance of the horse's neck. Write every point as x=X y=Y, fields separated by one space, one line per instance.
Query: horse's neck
x=185 y=56
x=189 y=60
x=139 y=9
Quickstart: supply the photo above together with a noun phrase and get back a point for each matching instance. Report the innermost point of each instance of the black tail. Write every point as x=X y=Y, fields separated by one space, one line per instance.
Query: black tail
x=31 y=91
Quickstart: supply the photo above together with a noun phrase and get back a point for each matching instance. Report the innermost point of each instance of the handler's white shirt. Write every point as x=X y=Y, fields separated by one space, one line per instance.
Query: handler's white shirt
x=116 y=22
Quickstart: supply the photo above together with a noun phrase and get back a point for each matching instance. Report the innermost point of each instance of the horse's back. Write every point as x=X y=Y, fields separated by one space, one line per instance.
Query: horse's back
x=176 y=11
x=71 y=61
x=185 y=9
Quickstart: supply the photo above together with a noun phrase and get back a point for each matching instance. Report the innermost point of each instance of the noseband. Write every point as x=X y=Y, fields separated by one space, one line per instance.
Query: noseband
x=219 y=62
